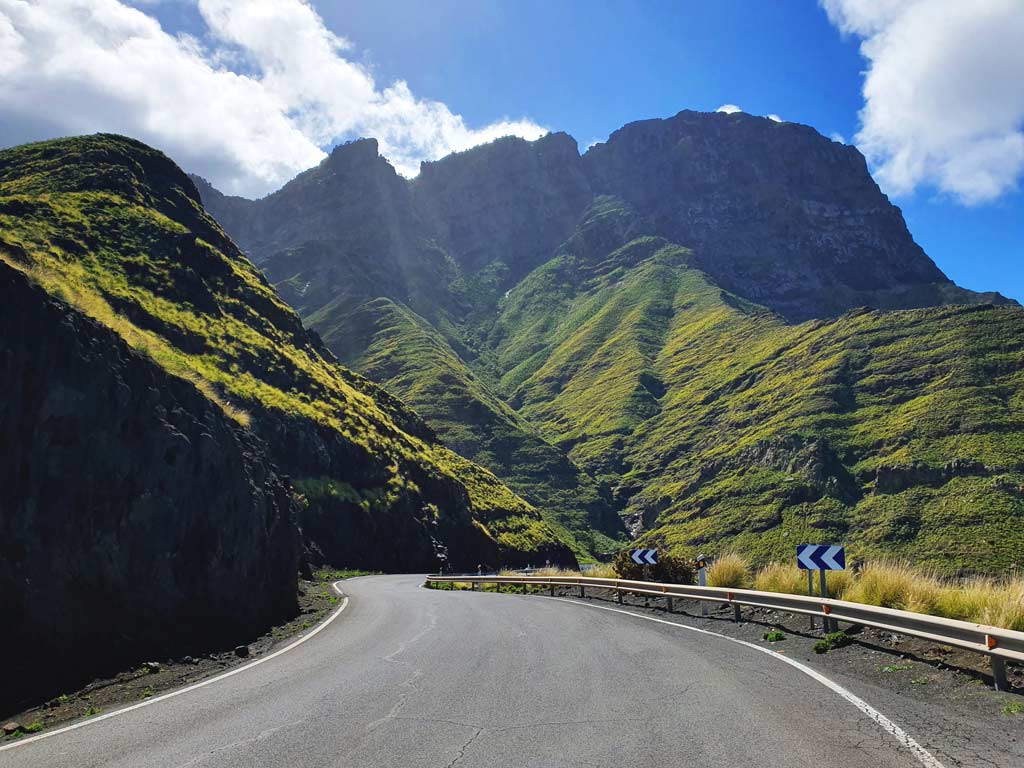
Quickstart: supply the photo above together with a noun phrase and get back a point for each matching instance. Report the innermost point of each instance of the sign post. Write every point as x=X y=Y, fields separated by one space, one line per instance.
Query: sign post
x=702 y=580
x=821 y=558
x=646 y=558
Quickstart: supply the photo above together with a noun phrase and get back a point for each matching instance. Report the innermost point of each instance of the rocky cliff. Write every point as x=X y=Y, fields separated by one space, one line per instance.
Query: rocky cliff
x=774 y=211
x=136 y=518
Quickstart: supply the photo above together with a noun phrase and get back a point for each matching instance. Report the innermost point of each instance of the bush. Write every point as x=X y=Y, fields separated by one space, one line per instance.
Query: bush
x=832 y=641
x=774 y=636
x=670 y=569
x=729 y=570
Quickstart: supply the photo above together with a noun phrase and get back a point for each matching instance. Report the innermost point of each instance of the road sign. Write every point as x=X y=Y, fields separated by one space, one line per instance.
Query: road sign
x=644 y=556
x=821 y=557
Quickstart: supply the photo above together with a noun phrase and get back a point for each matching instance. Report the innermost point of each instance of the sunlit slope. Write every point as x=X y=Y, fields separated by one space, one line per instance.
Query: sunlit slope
x=718 y=425
x=393 y=346
x=117 y=230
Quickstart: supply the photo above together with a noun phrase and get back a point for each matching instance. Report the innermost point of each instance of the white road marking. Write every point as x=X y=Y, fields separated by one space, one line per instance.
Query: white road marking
x=202 y=684
x=923 y=756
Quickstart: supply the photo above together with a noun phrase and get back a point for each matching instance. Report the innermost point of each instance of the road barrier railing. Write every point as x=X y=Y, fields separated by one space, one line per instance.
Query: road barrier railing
x=999 y=645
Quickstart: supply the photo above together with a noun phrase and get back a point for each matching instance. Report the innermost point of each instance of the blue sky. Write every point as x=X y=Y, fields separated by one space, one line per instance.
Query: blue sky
x=589 y=67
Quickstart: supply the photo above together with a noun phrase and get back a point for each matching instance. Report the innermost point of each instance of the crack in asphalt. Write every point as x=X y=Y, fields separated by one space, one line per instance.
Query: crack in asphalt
x=409 y=684
x=464 y=747
x=241 y=743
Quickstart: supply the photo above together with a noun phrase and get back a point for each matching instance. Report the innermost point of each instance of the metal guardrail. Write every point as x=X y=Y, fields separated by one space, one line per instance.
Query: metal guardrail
x=1000 y=645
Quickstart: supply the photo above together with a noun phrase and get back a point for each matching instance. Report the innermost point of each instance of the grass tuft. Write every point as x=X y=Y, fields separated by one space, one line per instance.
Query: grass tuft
x=729 y=570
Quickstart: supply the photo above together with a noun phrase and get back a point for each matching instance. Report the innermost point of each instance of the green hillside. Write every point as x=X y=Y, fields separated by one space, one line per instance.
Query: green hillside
x=116 y=230
x=679 y=312
x=395 y=347
x=721 y=426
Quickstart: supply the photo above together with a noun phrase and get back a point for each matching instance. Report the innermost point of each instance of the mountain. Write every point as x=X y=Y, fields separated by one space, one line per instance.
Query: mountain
x=719 y=321
x=177 y=445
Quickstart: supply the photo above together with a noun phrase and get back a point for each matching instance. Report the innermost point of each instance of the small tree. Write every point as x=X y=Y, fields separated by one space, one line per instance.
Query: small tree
x=670 y=569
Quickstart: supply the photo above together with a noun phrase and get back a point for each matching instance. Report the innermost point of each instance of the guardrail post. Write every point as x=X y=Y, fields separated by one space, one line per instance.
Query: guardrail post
x=998 y=673
x=524 y=587
x=583 y=592
x=702 y=581
x=618 y=594
x=552 y=590
x=670 y=604
x=736 y=612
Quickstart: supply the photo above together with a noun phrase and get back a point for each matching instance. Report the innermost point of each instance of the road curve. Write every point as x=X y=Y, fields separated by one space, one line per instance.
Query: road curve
x=412 y=677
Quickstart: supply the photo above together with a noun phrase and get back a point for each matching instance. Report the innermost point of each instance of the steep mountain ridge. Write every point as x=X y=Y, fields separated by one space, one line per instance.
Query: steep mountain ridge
x=571 y=283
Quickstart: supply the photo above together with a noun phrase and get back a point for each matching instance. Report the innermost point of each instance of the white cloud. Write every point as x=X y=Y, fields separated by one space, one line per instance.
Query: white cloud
x=729 y=109
x=257 y=104
x=774 y=118
x=836 y=136
x=944 y=106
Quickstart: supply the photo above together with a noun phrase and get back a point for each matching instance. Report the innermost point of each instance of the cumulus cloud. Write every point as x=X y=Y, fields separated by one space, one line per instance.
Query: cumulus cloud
x=253 y=103
x=773 y=117
x=943 y=102
x=729 y=109
x=836 y=136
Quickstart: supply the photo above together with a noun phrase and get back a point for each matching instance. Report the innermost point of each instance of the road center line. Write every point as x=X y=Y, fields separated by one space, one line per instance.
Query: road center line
x=923 y=756
x=202 y=684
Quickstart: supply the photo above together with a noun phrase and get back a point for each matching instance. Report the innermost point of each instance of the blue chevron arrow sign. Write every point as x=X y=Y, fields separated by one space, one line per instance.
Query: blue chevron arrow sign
x=644 y=556
x=821 y=557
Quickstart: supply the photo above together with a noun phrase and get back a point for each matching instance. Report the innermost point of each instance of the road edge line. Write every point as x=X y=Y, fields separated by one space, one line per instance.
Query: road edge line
x=922 y=755
x=201 y=684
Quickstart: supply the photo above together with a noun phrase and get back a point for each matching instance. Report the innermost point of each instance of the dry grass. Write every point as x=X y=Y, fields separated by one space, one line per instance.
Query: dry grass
x=730 y=570
x=781 y=577
x=599 y=571
x=896 y=584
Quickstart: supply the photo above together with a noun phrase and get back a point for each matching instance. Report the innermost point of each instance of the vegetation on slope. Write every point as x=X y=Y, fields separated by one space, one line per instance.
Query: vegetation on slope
x=395 y=347
x=724 y=427
x=115 y=229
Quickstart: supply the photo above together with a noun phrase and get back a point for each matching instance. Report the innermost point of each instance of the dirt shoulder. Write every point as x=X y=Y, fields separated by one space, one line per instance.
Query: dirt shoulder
x=317 y=599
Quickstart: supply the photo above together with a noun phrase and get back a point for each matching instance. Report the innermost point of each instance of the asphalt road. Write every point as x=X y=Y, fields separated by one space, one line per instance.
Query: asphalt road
x=412 y=677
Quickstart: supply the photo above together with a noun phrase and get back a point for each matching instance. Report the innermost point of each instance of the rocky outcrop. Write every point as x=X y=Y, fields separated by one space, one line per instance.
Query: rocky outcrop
x=136 y=519
x=899 y=477
x=774 y=211
x=507 y=204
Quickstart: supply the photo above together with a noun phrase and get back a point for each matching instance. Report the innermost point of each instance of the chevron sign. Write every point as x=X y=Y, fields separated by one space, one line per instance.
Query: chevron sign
x=821 y=557
x=644 y=556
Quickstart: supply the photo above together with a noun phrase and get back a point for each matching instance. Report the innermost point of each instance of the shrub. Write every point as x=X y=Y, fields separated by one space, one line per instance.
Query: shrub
x=729 y=570
x=832 y=641
x=670 y=569
x=774 y=636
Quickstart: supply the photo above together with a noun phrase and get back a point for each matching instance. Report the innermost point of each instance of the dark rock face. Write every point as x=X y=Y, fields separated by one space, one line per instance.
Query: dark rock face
x=775 y=212
x=511 y=201
x=135 y=518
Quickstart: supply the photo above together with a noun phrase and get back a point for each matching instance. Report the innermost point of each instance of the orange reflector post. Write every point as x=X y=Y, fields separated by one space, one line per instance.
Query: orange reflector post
x=826 y=609
x=990 y=642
